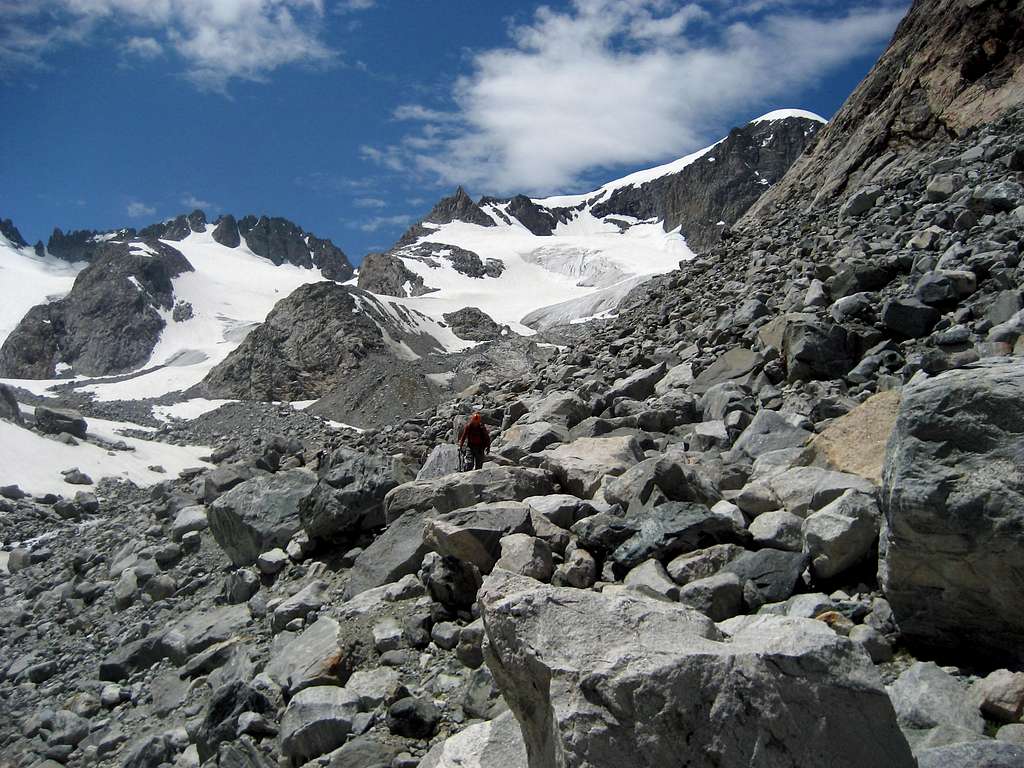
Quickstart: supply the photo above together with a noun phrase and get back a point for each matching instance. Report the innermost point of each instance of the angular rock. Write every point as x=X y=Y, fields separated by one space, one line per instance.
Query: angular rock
x=521 y=439
x=842 y=533
x=670 y=690
x=953 y=494
x=718 y=597
x=54 y=421
x=975 y=754
x=259 y=514
x=909 y=318
x=580 y=466
x=474 y=534
x=926 y=696
x=496 y=743
x=443 y=460
x=451 y=492
x=775 y=573
x=673 y=528
x=527 y=556
x=318 y=656
x=317 y=720
x=772 y=431
x=349 y=495
x=777 y=530
x=639 y=385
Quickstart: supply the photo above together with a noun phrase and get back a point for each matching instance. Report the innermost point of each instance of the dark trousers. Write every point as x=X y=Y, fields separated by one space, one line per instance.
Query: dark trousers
x=477 y=452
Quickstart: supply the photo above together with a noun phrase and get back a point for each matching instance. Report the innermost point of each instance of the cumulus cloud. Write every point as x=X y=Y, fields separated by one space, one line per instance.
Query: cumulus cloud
x=193 y=203
x=142 y=47
x=608 y=83
x=381 y=222
x=218 y=40
x=369 y=202
x=139 y=210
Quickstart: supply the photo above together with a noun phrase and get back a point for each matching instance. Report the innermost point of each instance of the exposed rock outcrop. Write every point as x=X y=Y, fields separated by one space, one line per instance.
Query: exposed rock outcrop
x=473 y=324
x=309 y=341
x=951 y=66
x=109 y=323
x=715 y=190
x=282 y=242
x=385 y=274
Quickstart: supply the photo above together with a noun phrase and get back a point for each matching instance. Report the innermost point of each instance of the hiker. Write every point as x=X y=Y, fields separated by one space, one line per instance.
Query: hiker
x=475 y=435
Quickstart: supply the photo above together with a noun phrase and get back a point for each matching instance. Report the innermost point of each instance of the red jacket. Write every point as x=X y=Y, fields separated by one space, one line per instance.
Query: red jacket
x=476 y=435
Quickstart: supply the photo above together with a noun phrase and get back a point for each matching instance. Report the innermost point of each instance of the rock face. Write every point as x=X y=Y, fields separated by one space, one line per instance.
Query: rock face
x=951 y=66
x=721 y=185
x=953 y=496
x=177 y=228
x=387 y=275
x=281 y=241
x=309 y=340
x=672 y=688
x=8 y=230
x=109 y=323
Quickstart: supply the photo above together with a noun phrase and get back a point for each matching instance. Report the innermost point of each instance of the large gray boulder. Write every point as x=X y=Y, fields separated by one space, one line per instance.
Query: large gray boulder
x=395 y=553
x=443 y=460
x=521 y=439
x=451 y=492
x=349 y=496
x=582 y=464
x=638 y=385
x=53 y=421
x=9 y=408
x=474 y=534
x=259 y=514
x=317 y=721
x=665 y=477
x=314 y=657
x=772 y=431
x=953 y=498
x=974 y=754
x=841 y=534
x=614 y=680
x=926 y=696
x=566 y=408
x=496 y=743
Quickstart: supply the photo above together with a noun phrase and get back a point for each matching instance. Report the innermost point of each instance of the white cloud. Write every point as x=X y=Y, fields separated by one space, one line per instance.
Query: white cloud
x=369 y=202
x=143 y=48
x=381 y=222
x=192 y=203
x=611 y=83
x=138 y=210
x=218 y=40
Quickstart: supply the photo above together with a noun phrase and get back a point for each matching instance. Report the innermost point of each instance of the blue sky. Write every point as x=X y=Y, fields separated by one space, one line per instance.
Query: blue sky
x=352 y=117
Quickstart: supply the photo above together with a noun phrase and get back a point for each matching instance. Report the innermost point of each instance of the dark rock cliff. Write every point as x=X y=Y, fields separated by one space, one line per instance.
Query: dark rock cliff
x=721 y=185
x=952 y=65
x=282 y=241
x=8 y=230
x=310 y=339
x=109 y=323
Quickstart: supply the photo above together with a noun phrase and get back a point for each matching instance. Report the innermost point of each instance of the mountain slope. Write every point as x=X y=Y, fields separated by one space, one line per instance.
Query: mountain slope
x=580 y=254
x=952 y=65
x=215 y=295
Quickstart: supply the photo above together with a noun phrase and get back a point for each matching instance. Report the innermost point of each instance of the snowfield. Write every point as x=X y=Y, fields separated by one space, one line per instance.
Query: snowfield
x=27 y=280
x=34 y=462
